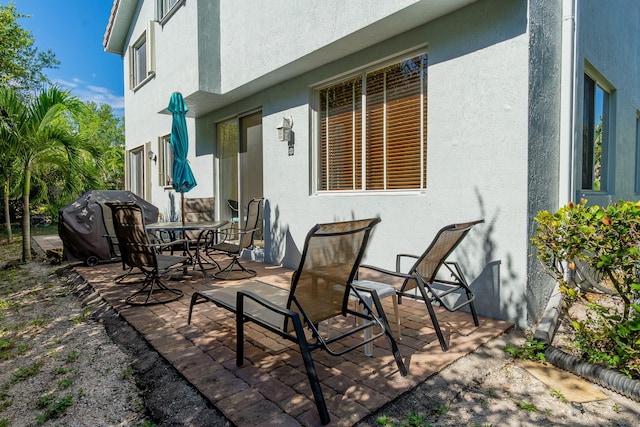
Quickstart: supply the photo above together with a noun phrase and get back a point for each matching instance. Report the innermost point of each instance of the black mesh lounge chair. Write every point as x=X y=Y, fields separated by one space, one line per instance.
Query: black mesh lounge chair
x=236 y=241
x=422 y=282
x=320 y=290
x=138 y=252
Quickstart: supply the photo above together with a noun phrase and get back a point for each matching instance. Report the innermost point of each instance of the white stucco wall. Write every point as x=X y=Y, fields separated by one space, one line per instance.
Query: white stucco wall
x=608 y=40
x=175 y=50
x=477 y=155
x=287 y=31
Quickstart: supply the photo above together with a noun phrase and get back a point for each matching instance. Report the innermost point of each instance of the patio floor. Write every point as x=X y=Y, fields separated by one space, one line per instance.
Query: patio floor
x=271 y=387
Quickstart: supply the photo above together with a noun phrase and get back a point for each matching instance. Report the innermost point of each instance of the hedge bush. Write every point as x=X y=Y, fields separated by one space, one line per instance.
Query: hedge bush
x=604 y=241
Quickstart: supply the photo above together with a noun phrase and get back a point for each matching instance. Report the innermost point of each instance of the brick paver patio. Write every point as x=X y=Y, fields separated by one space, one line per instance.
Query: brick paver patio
x=271 y=388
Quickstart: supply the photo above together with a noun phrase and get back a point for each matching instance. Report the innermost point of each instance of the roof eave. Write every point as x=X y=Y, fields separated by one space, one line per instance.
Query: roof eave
x=120 y=20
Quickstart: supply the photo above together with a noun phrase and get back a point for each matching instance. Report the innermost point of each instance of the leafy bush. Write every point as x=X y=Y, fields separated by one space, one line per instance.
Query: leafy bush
x=606 y=241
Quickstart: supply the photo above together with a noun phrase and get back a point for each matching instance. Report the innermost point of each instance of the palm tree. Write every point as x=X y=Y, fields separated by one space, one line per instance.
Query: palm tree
x=41 y=131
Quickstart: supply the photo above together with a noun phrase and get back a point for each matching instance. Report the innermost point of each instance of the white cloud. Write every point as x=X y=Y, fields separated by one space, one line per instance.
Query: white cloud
x=98 y=94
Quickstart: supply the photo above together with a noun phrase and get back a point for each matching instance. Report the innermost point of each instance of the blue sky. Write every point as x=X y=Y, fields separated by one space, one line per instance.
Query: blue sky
x=74 y=30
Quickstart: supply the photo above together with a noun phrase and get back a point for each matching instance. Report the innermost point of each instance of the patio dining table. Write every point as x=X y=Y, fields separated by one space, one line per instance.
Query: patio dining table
x=205 y=228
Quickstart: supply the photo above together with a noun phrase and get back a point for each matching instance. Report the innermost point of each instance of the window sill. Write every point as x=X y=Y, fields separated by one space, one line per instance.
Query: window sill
x=150 y=76
x=171 y=12
x=350 y=193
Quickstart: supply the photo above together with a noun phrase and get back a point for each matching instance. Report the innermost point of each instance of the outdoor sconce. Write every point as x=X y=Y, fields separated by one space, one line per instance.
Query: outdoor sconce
x=152 y=156
x=284 y=130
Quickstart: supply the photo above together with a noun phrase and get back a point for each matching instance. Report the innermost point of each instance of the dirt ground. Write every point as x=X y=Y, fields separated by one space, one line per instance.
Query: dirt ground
x=81 y=348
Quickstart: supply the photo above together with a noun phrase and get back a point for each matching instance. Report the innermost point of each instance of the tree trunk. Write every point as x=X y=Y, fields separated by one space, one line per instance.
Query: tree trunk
x=7 y=213
x=26 y=215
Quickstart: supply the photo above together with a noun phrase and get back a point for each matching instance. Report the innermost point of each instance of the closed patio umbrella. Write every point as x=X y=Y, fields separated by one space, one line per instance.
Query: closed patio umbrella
x=183 y=179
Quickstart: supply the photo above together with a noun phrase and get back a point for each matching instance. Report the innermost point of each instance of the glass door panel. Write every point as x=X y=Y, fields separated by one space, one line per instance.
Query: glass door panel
x=240 y=166
x=228 y=169
x=250 y=162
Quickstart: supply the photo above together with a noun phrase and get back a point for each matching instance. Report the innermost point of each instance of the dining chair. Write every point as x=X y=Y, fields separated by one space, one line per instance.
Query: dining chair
x=138 y=251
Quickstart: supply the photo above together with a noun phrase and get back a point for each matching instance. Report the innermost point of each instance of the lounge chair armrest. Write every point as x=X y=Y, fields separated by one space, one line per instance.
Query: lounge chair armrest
x=296 y=321
x=385 y=271
x=263 y=302
x=399 y=259
x=226 y=233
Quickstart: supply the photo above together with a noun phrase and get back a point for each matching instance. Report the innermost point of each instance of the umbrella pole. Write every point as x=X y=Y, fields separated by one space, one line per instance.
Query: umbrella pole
x=182 y=208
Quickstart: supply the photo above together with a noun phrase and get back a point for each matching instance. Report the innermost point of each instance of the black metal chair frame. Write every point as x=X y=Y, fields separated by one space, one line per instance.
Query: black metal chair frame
x=138 y=252
x=424 y=275
x=235 y=270
x=286 y=312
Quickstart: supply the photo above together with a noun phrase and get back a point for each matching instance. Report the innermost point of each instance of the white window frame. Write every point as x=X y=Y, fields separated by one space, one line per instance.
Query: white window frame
x=165 y=159
x=602 y=85
x=136 y=59
x=316 y=127
x=135 y=171
x=165 y=9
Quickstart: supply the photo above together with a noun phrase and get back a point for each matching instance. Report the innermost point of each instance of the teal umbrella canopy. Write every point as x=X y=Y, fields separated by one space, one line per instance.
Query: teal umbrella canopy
x=183 y=179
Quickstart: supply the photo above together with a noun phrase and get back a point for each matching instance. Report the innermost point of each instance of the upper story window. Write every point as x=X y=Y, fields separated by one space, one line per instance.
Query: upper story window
x=372 y=130
x=166 y=8
x=142 y=58
x=165 y=168
x=140 y=61
x=595 y=134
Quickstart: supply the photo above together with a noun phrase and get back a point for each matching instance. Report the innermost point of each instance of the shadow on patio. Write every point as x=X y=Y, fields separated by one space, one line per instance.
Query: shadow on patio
x=272 y=387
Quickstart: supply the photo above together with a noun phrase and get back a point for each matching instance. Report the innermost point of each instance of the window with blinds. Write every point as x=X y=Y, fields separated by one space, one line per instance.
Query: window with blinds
x=373 y=130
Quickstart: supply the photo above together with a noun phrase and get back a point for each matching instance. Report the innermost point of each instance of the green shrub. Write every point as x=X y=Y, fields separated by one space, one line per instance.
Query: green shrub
x=606 y=241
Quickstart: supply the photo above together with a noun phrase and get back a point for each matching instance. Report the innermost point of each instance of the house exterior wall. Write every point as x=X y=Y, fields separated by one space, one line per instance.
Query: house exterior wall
x=494 y=108
x=607 y=40
x=176 y=49
x=544 y=112
x=308 y=34
x=477 y=154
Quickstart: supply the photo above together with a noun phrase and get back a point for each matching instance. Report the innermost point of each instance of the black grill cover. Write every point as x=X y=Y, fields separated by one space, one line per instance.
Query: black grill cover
x=83 y=224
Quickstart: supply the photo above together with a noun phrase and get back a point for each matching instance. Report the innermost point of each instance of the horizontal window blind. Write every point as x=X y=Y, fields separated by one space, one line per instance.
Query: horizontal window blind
x=393 y=147
x=341 y=136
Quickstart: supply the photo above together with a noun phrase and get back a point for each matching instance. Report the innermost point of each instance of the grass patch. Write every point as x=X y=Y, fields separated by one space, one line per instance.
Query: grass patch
x=558 y=395
x=24 y=372
x=65 y=383
x=83 y=317
x=530 y=350
x=526 y=406
x=54 y=408
x=39 y=321
x=73 y=356
x=60 y=370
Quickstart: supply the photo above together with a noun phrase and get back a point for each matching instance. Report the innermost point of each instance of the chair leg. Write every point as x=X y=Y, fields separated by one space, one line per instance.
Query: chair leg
x=311 y=371
x=434 y=319
x=194 y=301
x=396 y=312
x=154 y=284
x=226 y=272
x=387 y=330
x=472 y=308
x=304 y=350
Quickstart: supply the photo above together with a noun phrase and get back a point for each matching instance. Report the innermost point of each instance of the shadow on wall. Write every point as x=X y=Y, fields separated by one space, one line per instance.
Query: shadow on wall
x=489 y=285
x=497 y=286
x=278 y=241
x=280 y=247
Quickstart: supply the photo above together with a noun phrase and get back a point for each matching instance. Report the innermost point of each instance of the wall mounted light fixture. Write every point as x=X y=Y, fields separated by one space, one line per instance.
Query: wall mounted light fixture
x=152 y=156
x=284 y=130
